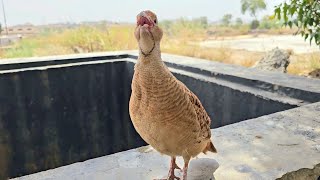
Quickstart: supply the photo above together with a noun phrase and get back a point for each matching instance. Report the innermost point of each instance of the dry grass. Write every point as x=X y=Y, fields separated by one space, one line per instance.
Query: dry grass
x=218 y=32
x=176 y=41
x=222 y=54
x=92 y=39
x=302 y=64
x=82 y=39
x=223 y=31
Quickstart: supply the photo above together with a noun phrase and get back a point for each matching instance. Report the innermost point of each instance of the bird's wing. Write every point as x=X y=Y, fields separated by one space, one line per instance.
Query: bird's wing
x=201 y=115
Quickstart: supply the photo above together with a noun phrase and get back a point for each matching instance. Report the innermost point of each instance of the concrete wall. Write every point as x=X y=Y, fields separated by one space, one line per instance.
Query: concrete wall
x=55 y=116
x=226 y=105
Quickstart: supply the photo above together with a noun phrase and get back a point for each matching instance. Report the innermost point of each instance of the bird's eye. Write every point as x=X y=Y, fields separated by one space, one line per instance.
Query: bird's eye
x=155 y=21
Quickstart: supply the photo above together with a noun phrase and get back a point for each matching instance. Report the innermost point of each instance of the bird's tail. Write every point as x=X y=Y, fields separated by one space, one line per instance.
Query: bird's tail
x=210 y=147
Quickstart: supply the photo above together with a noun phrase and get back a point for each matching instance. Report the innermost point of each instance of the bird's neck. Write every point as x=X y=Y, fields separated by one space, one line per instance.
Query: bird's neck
x=155 y=55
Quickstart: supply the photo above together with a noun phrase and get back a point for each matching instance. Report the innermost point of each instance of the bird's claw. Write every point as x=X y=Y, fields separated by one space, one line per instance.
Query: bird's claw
x=177 y=167
x=171 y=177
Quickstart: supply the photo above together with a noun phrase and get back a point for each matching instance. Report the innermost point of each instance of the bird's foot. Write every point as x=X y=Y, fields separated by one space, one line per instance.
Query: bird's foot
x=174 y=166
x=173 y=177
x=170 y=177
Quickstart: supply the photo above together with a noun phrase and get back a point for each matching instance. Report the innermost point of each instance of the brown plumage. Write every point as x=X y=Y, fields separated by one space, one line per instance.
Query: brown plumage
x=165 y=113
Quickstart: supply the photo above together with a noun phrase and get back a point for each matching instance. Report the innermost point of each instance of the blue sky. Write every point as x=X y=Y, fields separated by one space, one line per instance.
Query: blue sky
x=52 y=11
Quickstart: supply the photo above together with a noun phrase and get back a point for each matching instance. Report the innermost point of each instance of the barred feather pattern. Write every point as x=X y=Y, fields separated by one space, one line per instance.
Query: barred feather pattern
x=165 y=113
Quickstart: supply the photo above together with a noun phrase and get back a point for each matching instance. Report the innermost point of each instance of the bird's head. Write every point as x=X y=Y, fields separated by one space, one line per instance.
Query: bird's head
x=147 y=32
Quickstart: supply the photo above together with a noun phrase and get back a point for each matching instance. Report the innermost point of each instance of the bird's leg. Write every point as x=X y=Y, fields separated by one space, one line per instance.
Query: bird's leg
x=173 y=166
x=185 y=168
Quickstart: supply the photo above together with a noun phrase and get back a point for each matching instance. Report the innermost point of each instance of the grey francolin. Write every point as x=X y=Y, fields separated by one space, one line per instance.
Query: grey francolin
x=165 y=113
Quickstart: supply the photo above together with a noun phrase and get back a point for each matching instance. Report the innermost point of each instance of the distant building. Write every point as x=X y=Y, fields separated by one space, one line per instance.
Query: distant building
x=24 y=30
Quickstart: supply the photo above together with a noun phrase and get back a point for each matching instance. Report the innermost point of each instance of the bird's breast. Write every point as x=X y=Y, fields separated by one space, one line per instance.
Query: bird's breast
x=159 y=107
x=157 y=99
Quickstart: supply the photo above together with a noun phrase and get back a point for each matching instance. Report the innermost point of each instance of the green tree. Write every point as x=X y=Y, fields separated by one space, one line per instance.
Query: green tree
x=226 y=19
x=239 y=22
x=0 y=28
x=268 y=22
x=305 y=14
x=203 y=21
x=254 y=24
x=253 y=6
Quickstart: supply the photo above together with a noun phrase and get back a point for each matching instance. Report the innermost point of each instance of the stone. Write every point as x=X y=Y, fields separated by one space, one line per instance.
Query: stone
x=274 y=60
x=78 y=49
x=304 y=173
x=202 y=168
x=314 y=74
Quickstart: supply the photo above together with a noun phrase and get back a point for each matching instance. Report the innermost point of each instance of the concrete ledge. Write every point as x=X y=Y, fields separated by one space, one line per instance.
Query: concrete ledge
x=282 y=79
x=267 y=147
x=44 y=92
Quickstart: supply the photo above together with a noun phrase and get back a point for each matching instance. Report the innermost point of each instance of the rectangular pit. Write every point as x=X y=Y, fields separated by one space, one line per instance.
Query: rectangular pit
x=74 y=109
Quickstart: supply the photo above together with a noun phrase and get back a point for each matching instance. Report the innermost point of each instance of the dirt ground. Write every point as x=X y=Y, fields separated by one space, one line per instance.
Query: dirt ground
x=263 y=43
